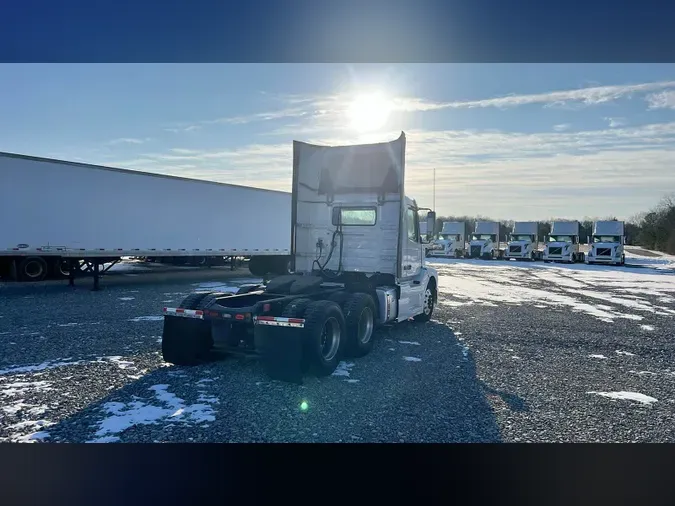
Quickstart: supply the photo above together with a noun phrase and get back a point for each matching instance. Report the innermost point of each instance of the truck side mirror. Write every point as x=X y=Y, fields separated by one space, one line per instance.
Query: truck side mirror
x=431 y=224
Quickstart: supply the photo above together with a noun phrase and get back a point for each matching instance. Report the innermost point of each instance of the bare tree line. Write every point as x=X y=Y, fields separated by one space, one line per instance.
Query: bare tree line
x=654 y=229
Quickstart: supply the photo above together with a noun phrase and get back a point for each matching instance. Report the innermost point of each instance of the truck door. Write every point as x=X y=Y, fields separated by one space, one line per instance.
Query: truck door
x=412 y=295
x=412 y=250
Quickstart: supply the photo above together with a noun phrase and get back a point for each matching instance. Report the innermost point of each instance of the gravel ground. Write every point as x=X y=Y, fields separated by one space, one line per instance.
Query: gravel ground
x=79 y=366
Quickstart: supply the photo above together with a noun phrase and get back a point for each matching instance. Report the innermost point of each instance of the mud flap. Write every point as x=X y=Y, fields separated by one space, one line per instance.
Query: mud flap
x=185 y=340
x=280 y=352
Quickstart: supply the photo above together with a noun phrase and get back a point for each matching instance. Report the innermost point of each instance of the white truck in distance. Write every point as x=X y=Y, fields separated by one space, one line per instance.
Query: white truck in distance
x=606 y=245
x=451 y=242
x=524 y=241
x=562 y=245
x=485 y=241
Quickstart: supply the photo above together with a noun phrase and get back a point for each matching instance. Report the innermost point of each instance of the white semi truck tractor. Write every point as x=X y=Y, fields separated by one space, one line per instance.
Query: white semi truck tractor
x=358 y=263
x=562 y=244
x=451 y=242
x=524 y=241
x=606 y=244
x=485 y=241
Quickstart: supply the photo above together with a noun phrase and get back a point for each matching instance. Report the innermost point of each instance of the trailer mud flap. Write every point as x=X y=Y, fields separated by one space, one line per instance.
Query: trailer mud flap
x=280 y=352
x=185 y=340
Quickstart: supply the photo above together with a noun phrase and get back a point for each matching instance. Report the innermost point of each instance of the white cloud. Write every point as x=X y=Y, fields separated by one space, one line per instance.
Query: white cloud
x=506 y=175
x=616 y=122
x=663 y=100
x=562 y=127
x=128 y=140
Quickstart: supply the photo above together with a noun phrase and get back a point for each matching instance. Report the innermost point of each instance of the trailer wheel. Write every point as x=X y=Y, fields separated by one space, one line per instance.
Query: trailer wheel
x=325 y=330
x=193 y=300
x=296 y=308
x=430 y=295
x=33 y=269
x=258 y=266
x=359 y=311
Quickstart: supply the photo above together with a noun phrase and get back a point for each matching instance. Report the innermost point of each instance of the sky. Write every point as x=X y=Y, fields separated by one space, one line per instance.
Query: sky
x=508 y=141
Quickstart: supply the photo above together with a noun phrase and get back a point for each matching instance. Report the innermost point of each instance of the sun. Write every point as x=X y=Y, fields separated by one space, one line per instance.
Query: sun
x=369 y=112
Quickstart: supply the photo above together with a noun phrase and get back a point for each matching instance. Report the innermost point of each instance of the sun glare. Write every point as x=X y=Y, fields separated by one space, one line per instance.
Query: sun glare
x=369 y=112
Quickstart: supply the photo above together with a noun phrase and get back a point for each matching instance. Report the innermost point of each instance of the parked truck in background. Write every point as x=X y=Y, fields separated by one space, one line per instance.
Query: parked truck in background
x=562 y=244
x=523 y=241
x=485 y=241
x=358 y=263
x=54 y=214
x=606 y=246
x=451 y=242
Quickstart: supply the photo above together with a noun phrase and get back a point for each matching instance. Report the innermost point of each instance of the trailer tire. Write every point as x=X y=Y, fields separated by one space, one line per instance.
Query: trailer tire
x=359 y=311
x=325 y=331
x=430 y=297
x=209 y=299
x=193 y=300
x=258 y=266
x=32 y=269
x=296 y=308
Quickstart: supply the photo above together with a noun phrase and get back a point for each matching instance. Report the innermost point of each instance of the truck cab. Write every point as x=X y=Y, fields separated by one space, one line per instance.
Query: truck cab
x=485 y=241
x=451 y=242
x=562 y=245
x=606 y=245
x=523 y=241
x=358 y=261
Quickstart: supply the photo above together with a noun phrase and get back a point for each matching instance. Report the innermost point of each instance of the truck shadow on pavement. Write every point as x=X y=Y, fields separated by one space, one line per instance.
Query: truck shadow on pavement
x=419 y=384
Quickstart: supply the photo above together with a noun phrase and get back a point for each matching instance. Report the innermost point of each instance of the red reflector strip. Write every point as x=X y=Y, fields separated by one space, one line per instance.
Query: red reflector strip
x=239 y=317
x=185 y=313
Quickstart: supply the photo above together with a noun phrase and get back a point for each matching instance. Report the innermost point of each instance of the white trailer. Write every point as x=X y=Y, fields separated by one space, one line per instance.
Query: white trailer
x=524 y=241
x=451 y=242
x=485 y=241
x=56 y=214
x=606 y=244
x=562 y=245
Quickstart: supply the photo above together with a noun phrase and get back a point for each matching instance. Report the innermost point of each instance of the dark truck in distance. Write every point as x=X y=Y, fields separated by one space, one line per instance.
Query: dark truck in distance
x=358 y=261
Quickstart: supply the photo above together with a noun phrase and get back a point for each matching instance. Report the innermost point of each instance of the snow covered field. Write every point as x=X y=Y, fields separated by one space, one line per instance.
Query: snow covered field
x=516 y=352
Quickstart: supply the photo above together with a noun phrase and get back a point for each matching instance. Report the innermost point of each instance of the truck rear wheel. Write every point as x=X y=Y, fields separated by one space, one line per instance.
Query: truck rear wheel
x=32 y=269
x=325 y=330
x=359 y=311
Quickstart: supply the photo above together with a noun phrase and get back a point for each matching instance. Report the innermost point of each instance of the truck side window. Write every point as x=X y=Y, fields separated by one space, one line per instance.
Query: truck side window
x=411 y=220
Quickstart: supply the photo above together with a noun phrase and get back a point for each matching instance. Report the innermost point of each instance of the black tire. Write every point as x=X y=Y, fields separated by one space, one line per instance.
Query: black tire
x=430 y=298
x=296 y=308
x=258 y=266
x=209 y=299
x=359 y=311
x=325 y=329
x=193 y=300
x=32 y=269
x=59 y=268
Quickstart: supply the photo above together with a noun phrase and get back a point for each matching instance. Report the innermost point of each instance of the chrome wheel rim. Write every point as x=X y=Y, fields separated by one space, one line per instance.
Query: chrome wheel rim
x=428 y=302
x=33 y=269
x=330 y=339
x=365 y=325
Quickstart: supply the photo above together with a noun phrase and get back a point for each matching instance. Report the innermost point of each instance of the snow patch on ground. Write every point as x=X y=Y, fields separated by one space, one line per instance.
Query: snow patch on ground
x=628 y=396
x=343 y=369
x=127 y=298
x=215 y=286
x=64 y=362
x=646 y=327
x=626 y=353
x=412 y=359
x=597 y=356
x=28 y=431
x=147 y=319
x=468 y=282
x=169 y=407
x=414 y=343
